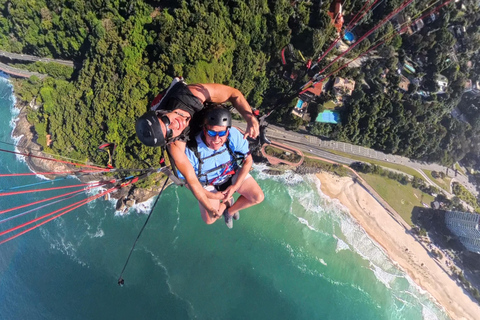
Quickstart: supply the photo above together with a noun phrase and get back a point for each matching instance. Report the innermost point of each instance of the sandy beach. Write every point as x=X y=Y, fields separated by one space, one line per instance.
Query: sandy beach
x=401 y=246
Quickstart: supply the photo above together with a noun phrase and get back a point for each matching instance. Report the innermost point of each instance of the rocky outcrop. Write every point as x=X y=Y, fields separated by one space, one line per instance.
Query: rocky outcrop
x=38 y=162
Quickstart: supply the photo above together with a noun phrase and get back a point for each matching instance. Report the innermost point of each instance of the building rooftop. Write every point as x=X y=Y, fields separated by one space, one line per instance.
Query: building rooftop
x=404 y=83
x=468 y=85
x=316 y=89
x=343 y=86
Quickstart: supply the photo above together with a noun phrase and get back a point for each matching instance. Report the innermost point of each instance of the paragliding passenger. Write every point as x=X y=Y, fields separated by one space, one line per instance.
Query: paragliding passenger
x=167 y=124
x=222 y=161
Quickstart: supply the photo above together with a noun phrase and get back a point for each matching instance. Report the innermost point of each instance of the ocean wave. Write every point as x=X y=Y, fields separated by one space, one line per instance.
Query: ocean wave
x=353 y=237
x=289 y=177
x=158 y=262
x=308 y=199
x=385 y=270
x=305 y=222
x=60 y=243
x=289 y=249
x=311 y=272
x=97 y=234
x=428 y=314
x=341 y=245
x=383 y=276
x=177 y=212
x=322 y=261
x=139 y=207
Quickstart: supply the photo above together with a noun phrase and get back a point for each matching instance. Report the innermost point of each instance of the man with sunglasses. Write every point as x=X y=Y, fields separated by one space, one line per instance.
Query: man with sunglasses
x=221 y=160
x=167 y=124
x=171 y=111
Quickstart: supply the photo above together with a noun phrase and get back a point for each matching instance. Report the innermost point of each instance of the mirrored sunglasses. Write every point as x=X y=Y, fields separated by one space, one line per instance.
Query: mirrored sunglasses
x=213 y=133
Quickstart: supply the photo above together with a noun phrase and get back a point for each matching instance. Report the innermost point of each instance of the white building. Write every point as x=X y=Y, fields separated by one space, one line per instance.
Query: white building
x=465 y=226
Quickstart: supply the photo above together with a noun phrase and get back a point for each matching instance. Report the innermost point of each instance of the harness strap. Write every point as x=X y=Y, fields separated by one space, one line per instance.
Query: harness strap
x=235 y=156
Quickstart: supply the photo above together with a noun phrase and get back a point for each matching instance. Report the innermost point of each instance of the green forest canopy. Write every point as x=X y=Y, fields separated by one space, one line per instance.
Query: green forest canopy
x=127 y=51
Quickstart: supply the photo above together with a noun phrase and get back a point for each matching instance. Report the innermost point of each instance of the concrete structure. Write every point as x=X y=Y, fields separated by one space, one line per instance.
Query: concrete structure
x=300 y=110
x=343 y=87
x=465 y=226
x=404 y=83
x=476 y=88
x=442 y=82
x=468 y=85
x=417 y=26
x=305 y=97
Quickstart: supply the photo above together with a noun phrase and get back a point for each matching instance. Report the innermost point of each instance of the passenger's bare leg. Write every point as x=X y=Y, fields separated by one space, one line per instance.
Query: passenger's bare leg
x=250 y=195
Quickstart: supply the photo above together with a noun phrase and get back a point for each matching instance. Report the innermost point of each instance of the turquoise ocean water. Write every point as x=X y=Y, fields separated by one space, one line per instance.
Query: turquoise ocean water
x=297 y=255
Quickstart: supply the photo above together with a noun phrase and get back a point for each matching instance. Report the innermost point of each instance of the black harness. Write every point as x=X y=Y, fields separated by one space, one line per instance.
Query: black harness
x=236 y=159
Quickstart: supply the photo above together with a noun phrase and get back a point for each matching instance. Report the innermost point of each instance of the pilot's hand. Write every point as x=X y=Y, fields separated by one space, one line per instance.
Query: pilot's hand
x=253 y=129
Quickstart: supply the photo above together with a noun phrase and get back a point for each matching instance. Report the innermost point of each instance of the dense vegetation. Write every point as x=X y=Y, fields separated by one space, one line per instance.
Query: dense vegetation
x=126 y=51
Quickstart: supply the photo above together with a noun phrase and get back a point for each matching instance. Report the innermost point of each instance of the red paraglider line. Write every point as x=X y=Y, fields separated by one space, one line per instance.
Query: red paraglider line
x=67 y=209
x=351 y=24
x=354 y=22
x=48 y=199
x=403 y=5
x=48 y=189
x=389 y=37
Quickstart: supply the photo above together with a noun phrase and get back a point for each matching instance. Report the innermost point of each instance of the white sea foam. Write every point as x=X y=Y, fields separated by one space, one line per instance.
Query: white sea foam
x=97 y=234
x=139 y=207
x=289 y=177
x=428 y=314
x=60 y=243
x=159 y=263
x=322 y=261
x=382 y=275
x=177 y=211
x=305 y=222
x=416 y=286
x=341 y=245
x=356 y=239
x=385 y=270
x=289 y=249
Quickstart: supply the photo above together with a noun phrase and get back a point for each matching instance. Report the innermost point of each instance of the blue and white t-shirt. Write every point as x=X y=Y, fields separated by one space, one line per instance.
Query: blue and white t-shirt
x=222 y=159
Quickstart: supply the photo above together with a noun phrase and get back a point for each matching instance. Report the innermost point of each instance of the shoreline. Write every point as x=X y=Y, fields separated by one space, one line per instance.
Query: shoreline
x=400 y=245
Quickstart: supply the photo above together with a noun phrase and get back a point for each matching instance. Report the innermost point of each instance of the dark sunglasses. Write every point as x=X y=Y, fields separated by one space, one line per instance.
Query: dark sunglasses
x=213 y=133
x=166 y=122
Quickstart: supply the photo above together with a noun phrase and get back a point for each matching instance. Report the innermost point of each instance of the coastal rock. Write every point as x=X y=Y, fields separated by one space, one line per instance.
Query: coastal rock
x=303 y=169
x=119 y=205
x=274 y=172
x=129 y=202
x=38 y=162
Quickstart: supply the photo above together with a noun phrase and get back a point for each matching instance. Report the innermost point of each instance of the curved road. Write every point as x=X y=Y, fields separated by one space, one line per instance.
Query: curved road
x=321 y=148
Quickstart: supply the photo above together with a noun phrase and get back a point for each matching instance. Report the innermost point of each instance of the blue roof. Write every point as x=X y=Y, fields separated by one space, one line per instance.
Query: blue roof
x=328 y=116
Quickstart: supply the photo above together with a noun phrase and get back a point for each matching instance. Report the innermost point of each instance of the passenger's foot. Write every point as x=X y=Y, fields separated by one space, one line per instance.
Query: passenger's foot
x=228 y=219
x=229 y=203
x=236 y=215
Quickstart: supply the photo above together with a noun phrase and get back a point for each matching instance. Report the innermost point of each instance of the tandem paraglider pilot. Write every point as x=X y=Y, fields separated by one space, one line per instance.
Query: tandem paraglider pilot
x=167 y=124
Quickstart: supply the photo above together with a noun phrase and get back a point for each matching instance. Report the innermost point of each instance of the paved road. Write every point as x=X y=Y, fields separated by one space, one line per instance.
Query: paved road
x=20 y=72
x=26 y=57
x=321 y=148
